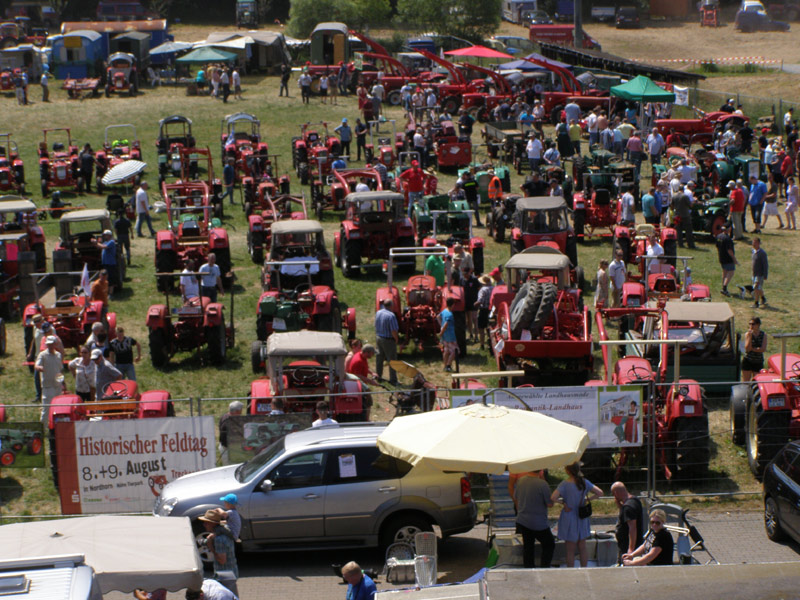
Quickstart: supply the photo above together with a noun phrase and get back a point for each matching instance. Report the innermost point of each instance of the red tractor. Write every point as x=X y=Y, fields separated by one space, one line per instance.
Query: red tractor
x=452 y=92
x=765 y=413
x=304 y=367
x=198 y=166
x=541 y=325
x=595 y=206
x=174 y=137
x=59 y=169
x=424 y=300
x=116 y=151
x=374 y=222
x=675 y=414
x=11 y=245
x=451 y=149
x=12 y=169
x=264 y=184
x=659 y=280
x=543 y=221
x=312 y=153
x=342 y=183
x=240 y=135
x=480 y=104
x=19 y=215
x=192 y=234
x=384 y=144
x=265 y=212
x=72 y=317
x=197 y=322
x=121 y=74
x=702 y=129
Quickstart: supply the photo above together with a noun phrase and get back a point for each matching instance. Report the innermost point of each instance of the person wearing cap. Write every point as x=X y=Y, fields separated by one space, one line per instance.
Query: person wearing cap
x=726 y=256
x=359 y=365
x=737 y=206
x=84 y=372
x=323 y=415
x=232 y=517
x=345 y=136
x=497 y=276
x=728 y=106
x=108 y=260
x=483 y=304
x=143 y=210
x=105 y=373
x=49 y=366
x=234 y=410
x=387 y=339
x=414 y=181
x=220 y=541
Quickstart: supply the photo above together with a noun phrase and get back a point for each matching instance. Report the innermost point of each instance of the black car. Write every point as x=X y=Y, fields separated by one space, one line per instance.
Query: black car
x=782 y=494
x=627 y=16
x=748 y=21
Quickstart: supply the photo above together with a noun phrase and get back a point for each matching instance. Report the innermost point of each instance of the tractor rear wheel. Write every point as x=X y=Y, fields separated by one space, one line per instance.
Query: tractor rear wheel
x=255 y=358
x=7 y=458
x=351 y=258
x=45 y=188
x=523 y=307
x=217 y=347
x=224 y=262
x=159 y=354
x=41 y=257
x=248 y=209
x=331 y=321
x=165 y=263
x=671 y=249
x=546 y=306
x=450 y=105
x=3 y=338
x=691 y=446
x=579 y=223
x=580 y=278
x=738 y=409
x=394 y=98
x=326 y=278
x=767 y=432
x=256 y=250
x=302 y=173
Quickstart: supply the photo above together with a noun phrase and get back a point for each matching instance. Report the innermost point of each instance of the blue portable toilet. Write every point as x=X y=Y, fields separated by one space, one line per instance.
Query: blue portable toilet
x=77 y=54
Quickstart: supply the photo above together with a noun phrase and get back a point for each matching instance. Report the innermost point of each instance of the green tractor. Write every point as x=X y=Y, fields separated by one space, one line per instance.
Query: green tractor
x=742 y=166
x=710 y=214
x=600 y=160
x=13 y=441
x=423 y=219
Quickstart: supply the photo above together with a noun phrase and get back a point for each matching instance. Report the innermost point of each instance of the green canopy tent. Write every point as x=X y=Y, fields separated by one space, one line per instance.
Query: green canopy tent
x=642 y=89
x=207 y=55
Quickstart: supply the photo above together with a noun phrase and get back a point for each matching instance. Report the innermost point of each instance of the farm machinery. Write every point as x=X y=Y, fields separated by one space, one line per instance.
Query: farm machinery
x=674 y=414
x=703 y=128
x=341 y=183
x=424 y=300
x=72 y=317
x=446 y=223
x=240 y=136
x=540 y=324
x=59 y=169
x=312 y=153
x=263 y=213
x=174 y=146
x=543 y=221
x=657 y=279
x=116 y=151
x=122 y=75
x=14 y=441
x=374 y=222
x=480 y=104
x=303 y=367
x=384 y=144
x=80 y=231
x=197 y=322
x=19 y=215
x=450 y=149
x=500 y=217
x=12 y=169
x=192 y=234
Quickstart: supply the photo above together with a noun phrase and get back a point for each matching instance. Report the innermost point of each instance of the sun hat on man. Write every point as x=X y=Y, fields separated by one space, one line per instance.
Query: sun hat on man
x=213 y=515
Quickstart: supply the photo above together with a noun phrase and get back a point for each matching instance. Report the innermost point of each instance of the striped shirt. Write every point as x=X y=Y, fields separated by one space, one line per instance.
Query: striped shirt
x=385 y=323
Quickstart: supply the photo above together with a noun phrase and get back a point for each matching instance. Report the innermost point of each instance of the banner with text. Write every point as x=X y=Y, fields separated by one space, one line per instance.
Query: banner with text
x=122 y=465
x=612 y=415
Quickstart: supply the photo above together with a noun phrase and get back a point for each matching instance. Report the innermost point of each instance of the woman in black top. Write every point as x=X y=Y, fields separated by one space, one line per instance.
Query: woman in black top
x=755 y=344
x=657 y=547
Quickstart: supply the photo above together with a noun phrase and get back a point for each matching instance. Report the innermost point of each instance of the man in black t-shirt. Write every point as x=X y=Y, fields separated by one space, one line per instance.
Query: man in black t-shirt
x=470 y=187
x=123 y=228
x=726 y=256
x=122 y=347
x=630 y=528
x=534 y=186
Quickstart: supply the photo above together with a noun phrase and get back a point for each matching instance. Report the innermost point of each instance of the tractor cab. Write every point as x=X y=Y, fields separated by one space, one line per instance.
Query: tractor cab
x=12 y=169
x=372 y=210
x=240 y=136
x=298 y=241
x=121 y=73
x=174 y=135
x=543 y=221
x=240 y=128
x=80 y=230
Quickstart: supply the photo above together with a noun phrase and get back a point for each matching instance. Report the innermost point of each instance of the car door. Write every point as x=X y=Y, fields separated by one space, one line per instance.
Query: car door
x=788 y=491
x=362 y=483
x=293 y=509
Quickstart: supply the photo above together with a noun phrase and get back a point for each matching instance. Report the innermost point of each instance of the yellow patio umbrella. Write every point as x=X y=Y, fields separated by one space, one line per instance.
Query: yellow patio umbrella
x=481 y=438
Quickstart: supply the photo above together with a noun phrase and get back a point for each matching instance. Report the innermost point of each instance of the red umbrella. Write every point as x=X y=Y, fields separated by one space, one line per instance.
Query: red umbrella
x=479 y=51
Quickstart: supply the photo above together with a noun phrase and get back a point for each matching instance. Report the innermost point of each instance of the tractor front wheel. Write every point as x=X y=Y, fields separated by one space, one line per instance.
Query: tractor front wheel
x=579 y=223
x=217 y=348
x=159 y=354
x=351 y=258
x=35 y=445
x=3 y=338
x=255 y=358
x=331 y=321
x=738 y=409
x=767 y=432
x=7 y=458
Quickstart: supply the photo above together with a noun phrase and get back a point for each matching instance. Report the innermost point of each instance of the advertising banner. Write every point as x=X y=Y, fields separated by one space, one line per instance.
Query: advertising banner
x=122 y=465
x=21 y=445
x=612 y=415
x=248 y=435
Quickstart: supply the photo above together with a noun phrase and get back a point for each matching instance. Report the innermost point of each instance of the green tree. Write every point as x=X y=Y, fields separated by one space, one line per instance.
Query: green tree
x=370 y=12
x=470 y=19
x=305 y=14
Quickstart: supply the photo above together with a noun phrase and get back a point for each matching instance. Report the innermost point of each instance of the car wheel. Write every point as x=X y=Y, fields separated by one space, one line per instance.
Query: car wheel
x=403 y=529
x=772 y=523
x=205 y=554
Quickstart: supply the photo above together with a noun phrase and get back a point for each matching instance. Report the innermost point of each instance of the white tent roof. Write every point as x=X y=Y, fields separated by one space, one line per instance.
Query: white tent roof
x=125 y=552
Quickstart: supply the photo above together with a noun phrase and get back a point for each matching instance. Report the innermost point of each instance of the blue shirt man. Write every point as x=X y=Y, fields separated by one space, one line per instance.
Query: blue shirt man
x=360 y=586
x=651 y=214
x=446 y=316
x=109 y=254
x=339 y=163
x=758 y=189
x=386 y=332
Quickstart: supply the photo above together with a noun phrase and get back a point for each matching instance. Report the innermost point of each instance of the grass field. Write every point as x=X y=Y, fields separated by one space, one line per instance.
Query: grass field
x=24 y=492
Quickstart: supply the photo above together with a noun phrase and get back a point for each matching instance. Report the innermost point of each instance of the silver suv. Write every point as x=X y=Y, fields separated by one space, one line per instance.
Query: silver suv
x=324 y=487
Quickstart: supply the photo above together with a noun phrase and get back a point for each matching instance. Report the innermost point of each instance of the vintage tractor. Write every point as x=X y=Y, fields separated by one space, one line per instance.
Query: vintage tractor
x=543 y=221
x=12 y=169
x=59 y=169
x=675 y=414
x=312 y=153
x=296 y=240
x=264 y=183
x=660 y=281
x=80 y=231
x=384 y=143
x=450 y=226
x=424 y=300
x=198 y=166
x=765 y=413
x=483 y=177
x=14 y=441
x=500 y=217
x=122 y=75
x=197 y=322
x=121 y=400
x=480 y=104
x=117 y=150
x=192 y=234
x=341 y=183
x=240 y=136
x=702 y=129
x=632 y=240
x=174 y=136
x=11 y=245
x=304 y=367
x=540 y=323
x=451 y=150
x=265 y=211
x=374 y=222
x=596 y=204
x=19 y=215
x=72 y=317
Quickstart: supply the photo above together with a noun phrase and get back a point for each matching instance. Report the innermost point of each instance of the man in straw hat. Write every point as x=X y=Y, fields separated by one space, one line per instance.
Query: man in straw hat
x=49 y=367
x=220 y=541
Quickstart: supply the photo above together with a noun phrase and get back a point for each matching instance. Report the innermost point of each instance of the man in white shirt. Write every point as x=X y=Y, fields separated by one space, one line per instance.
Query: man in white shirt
x=211 y=278
x=654 y=252
x=617 y=274
x=212 y=590
x=628 y=208
x=534 y=151
x=689 y=191
x=323 y=411
x=143 y=210
x=190 y=288
x=378 y=92
x=49 y=366
x=655 y=146
x=591 y=126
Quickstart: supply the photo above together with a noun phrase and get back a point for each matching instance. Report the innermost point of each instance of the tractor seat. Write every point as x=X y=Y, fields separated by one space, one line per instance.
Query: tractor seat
x=117 y=151
x=191 y=228
x=665 y=286
x=602 y=197
x=58 y=147
x=420 y=298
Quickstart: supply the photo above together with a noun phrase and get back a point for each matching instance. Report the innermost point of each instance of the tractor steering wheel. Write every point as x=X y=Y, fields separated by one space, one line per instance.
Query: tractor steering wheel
x=306 y=376
x=796 y=370
x=115 y=389
x=639 y=374
x=298 y=289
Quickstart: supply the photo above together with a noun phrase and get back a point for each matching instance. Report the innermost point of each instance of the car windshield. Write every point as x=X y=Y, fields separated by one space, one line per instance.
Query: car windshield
x=81 y=228
x=247 y=470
